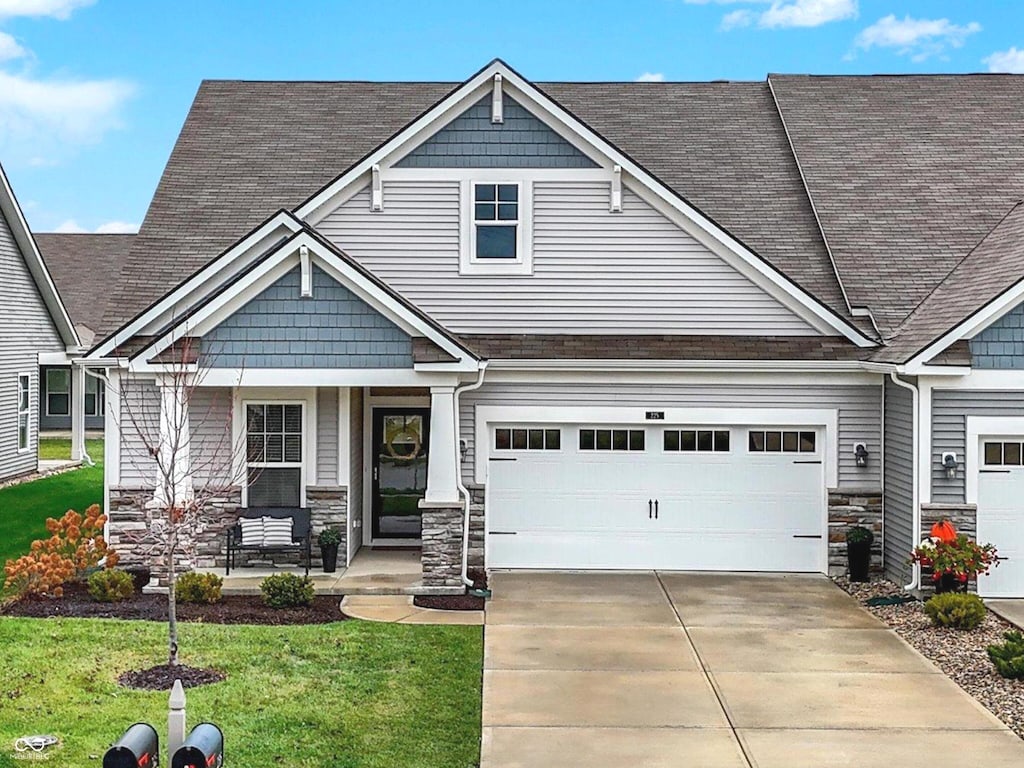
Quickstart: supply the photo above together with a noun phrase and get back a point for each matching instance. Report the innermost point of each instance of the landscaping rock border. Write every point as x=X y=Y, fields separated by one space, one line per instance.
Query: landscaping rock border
x=960 y=654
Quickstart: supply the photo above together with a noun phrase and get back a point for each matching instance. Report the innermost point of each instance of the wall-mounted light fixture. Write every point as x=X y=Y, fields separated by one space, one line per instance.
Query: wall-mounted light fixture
x=949 y=464
x=463 y=449
x=860 y=454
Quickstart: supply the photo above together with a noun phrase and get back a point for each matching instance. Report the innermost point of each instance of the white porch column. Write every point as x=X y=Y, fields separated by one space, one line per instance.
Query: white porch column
x=77 y=412
x=175 y=468
x=442 y=462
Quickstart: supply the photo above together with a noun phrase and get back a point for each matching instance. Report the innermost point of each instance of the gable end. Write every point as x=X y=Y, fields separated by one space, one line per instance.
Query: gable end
x=332 y=329
x=1001 y=345
x=472 y=141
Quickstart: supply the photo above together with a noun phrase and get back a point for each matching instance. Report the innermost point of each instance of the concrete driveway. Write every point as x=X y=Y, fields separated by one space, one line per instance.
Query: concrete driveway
x=717 y=671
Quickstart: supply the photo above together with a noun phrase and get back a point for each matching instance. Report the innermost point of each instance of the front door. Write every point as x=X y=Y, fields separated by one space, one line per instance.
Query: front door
x=400 y=440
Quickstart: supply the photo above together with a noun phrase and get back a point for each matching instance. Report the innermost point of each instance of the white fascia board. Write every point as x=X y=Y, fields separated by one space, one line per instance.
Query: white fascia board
x=54 y=358
x=324 y=377
x=272 y=269
x=602 y=153
x=36 y=266
x=996 y=380
x=486 y=415
x=974 y=324
x=198 y=285
x=665 y=377
x=676 y=365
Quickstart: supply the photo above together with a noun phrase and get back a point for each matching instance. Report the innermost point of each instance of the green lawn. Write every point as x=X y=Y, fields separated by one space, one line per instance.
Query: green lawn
x=25 y=507
x=324 y=696
x=60 y=448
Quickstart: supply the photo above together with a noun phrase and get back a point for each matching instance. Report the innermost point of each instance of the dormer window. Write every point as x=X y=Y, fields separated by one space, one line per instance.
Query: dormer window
x=496 y=220
x=496 y=226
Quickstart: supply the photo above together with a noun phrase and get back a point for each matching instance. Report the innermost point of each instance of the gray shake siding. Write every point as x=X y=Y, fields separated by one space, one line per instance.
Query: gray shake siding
x=858 y=405
x=327 y=436
x=899 y=490
x=26 y=329
x=1001 y=345
x=594 y=271
x=472 y=141
x=950 y=409
x=331 y=329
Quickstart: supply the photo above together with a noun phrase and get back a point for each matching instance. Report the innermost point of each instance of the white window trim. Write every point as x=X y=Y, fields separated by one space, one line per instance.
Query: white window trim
x=309 y=446
x=522 y=264
x=27 y=412
x=46 y=396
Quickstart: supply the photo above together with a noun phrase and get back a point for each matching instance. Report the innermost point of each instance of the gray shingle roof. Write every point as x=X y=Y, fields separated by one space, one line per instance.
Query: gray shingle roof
x=84 y=268
x=250 y=148
x=908 y=173
x=996 y=264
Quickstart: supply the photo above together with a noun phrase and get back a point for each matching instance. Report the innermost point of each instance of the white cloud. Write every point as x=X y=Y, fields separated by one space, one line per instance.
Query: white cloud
x=807 y=13
x=1011 y=60
x=10 y=49
x=651 y=77
x=917 y=38
x=56 y=9
x=72 y=227
x=739 y=18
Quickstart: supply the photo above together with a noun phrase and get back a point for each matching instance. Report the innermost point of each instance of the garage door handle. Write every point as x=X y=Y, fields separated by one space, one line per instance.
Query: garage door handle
x=503 y=458
x=808 y=462
x=994 y=471
x=504 y=533
x=806 y=535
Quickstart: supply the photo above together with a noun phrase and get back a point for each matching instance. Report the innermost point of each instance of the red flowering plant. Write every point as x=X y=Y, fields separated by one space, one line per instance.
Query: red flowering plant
x=948 y=552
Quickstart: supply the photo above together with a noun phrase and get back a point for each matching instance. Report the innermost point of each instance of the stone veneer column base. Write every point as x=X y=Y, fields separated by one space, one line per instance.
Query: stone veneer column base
x=328 y=505
x=442 y=545
x=847 y=509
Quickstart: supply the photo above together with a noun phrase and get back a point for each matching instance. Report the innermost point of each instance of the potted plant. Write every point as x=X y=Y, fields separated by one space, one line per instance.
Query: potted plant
x=954 y=558
x=858 y=552
x=329 y=540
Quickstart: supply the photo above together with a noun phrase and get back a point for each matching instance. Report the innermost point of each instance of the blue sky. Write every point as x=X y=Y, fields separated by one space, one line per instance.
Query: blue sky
x=93 y=93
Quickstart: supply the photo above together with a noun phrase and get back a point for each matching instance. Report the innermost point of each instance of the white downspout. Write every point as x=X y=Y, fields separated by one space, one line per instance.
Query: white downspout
x=467 y=499
x=102 y=379
x=915 y=579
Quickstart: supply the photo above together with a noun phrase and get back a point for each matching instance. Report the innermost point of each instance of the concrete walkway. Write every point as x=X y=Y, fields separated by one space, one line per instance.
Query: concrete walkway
x=717 y=671
x=399 y=609
x=1011 y=610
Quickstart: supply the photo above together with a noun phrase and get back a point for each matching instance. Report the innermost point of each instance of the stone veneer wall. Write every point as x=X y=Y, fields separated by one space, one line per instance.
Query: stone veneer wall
x=328 y=507
x=442 y=546
x=964 y=518
x=477 y=549
x=847 y=509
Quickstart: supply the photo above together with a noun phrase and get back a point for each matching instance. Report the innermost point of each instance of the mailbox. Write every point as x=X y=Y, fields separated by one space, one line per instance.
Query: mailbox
x=204 y=748
x=139 y=747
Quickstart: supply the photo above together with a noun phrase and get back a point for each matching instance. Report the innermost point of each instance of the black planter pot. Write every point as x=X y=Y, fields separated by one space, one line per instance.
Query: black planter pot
x=949 y=583
x=329 y=552
x=858 y=559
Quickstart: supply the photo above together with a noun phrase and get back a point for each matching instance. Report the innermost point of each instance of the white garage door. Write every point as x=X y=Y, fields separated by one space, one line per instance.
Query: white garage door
x=747 y=498
x=1000 y=514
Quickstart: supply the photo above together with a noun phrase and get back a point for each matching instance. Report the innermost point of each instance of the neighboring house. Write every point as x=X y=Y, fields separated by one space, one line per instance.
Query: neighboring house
x=34 y=328
x=83 y=267
x=601 y=325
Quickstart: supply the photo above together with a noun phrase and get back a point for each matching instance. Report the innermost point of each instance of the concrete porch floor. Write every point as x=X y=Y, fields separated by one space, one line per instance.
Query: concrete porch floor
x=372 y=572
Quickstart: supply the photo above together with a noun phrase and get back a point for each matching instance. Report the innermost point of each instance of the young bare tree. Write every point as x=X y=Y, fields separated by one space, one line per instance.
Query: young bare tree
x=183 y=441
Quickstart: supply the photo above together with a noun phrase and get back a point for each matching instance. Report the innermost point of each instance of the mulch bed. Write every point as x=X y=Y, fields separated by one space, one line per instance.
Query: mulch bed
x=162 y=677
x=959 y=653
x=449 y=602
x=232 y=609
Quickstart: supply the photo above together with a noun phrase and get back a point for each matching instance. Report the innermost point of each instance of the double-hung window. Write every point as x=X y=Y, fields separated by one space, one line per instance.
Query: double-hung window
x=274 y=451
x=24 y=409
x=58 y=392
x=496 y=232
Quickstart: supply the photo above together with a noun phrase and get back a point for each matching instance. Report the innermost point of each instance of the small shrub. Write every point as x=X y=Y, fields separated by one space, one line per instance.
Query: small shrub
x=1008 y=656
x=111 y=586
x=286 y=590
x=201 y=588
x=329 y=536
x=859 y=534
x=74 y=549
x=955 y=610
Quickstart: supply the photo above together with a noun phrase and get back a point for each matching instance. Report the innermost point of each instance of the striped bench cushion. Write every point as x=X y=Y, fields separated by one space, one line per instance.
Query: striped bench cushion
x=252 y=531
x=277 y=532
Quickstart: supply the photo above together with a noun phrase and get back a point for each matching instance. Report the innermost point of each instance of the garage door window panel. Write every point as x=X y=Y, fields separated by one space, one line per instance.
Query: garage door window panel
x=527 y=439
x=621 y=440
x=1003 y=454
x=696 y=440
x=782 y=441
